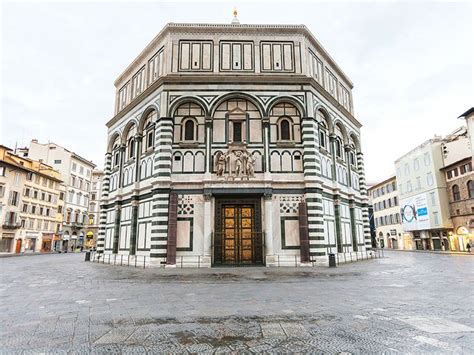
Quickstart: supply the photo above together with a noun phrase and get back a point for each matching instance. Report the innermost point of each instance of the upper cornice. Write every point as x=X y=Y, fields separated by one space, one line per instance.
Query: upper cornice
x=231 y=29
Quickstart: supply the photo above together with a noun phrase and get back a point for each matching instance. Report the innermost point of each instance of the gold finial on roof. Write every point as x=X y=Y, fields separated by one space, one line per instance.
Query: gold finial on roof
x=235 y=20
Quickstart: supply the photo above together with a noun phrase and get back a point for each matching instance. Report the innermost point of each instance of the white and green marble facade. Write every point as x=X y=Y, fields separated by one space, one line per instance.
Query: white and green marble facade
x=212 y=75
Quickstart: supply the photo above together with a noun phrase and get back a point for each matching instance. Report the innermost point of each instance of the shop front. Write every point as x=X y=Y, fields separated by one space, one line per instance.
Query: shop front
x=407 y=241
x=89 y=240
x=6 y=243
x=461 y=239
x=31 y=241
x=66 y=240
x=57 y=242
x=46 y=242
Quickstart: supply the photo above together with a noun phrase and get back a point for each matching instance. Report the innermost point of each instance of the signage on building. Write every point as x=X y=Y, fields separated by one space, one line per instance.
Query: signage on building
x=393 y=232
x=414 y=212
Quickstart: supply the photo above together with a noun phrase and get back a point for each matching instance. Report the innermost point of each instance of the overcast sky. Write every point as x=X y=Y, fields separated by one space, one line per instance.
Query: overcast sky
x=410 y=62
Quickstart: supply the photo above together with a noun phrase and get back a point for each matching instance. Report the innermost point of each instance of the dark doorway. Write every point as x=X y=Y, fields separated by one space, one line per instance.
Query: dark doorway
x=238 y=238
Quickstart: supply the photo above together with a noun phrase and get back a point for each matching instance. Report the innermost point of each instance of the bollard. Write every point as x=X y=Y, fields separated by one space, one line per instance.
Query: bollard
x=121 y=259
x=144 y=261
x=88 y=256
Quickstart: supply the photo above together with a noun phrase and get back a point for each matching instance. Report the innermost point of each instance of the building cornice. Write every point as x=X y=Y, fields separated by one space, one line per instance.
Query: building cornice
x=383 y=182
x=231 y=29
x=268 y=79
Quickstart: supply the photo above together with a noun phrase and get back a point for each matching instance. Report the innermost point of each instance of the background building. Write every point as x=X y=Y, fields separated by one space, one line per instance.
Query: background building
x=30 y=198
x=94 y=209
x=77 y=175
x=424 y=201
x=389 y=231
x=457 y=159
x=234 y=144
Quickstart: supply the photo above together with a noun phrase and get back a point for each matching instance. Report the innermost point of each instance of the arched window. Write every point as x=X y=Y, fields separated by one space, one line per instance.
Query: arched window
x=470 y=188
x=352 y=157
x=285 y=130
x=131 y=147
x=456 y=194
x=338 y=148
x=189 y=130
x=116 y=155
x=150 y=136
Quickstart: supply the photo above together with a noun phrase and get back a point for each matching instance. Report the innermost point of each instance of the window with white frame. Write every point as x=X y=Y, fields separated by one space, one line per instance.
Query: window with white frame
x=138 y=82
x=155 y=67
x=123 y=96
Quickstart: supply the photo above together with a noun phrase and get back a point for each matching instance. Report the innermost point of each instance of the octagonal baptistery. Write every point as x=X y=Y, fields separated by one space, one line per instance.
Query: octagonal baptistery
x=233 y=145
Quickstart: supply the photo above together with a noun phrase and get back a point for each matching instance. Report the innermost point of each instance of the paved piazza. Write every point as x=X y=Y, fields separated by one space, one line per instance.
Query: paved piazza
x=406 y=302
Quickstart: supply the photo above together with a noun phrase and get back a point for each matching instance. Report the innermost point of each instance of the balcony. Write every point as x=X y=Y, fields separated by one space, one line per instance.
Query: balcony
x=11 y=225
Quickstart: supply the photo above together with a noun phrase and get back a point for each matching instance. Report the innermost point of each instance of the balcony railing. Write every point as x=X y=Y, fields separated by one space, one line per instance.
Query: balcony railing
x=11 y=225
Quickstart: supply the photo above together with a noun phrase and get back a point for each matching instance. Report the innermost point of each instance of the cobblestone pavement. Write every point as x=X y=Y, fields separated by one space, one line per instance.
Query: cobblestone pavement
x=406 y=302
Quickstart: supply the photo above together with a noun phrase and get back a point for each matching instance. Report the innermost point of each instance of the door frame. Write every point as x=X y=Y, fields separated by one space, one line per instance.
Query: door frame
x=256 y=201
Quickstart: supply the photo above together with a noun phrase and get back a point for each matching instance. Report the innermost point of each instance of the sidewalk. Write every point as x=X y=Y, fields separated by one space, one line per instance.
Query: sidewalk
x=433 y=252
x=10 y=255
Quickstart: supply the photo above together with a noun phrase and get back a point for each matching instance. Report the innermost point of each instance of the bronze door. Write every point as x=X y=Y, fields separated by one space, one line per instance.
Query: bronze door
x=238 y=240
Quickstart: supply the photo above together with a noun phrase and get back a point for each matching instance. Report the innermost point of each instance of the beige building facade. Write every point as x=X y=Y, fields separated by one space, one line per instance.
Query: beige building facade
x=423 y=195
x=92 y=229
x=30 y=192
x=77 y=175
x=233 y=145
x=458 y=161
x=387 y=220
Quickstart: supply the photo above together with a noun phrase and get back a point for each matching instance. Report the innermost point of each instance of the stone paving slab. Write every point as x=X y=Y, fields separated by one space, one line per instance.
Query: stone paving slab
x=415 y=303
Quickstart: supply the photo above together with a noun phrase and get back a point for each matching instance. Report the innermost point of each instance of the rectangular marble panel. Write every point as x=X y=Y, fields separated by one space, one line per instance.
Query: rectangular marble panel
x=277 y=57
x=184 y=234
x=288 y=57
x=266 y=53
x=248 y=56
x=184 y=56
x=196 y=56
x=255 y=131
x=292 y=233
x=218 y=132
x=236 y=56
x=225 y=56
x=188 y=162
x=206 y=56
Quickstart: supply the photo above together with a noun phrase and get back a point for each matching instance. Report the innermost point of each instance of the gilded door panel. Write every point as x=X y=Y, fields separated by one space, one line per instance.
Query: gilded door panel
x=238 y=238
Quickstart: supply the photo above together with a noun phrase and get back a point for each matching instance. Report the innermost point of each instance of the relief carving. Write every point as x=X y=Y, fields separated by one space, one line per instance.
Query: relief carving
x=237 y=162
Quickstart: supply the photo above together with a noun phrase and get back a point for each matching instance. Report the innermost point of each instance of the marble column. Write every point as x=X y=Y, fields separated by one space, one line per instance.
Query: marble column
x=138 y=153
x=208 y=145
x=332 y=145
x=133 y=232
x=115 y=247
x=207 y=245
x=347 y=150
x=266 y=144
x=269 y=253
